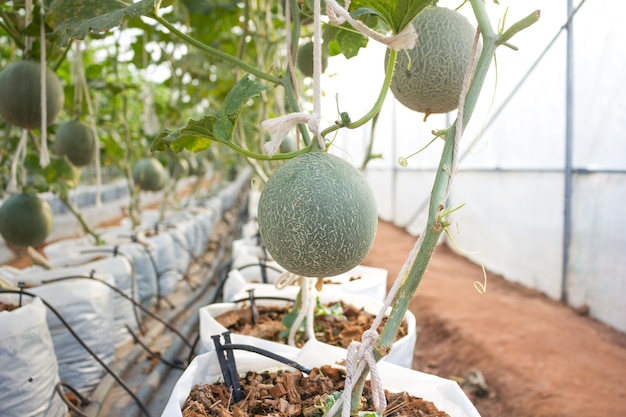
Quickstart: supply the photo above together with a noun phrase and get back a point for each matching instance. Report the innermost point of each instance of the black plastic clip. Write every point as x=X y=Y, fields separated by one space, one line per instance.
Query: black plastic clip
x=228 y=366
x=21 y=285
x=253 y=307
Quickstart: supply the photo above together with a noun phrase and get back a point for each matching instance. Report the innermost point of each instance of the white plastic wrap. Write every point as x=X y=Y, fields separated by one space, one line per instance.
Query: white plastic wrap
x=204 y=369
x=169 y=271
x=28 y=365
x=361 y=280
x=87 y=306
x=401 y=352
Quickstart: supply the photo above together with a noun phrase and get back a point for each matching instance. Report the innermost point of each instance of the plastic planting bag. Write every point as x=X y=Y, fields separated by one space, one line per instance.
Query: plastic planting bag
x=169 y=271
x=28 y=365
x=87 y=306
x=361 y=280
x=401 y=351
x=204 y=369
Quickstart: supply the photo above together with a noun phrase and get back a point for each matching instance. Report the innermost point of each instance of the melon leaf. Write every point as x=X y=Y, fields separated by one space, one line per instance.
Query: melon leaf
x=397 y=14
x=75 y=19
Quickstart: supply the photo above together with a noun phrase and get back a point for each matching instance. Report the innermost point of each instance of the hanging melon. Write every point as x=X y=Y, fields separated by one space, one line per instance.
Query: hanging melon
x=20 y=95
x=317 y=215
x=429 y=77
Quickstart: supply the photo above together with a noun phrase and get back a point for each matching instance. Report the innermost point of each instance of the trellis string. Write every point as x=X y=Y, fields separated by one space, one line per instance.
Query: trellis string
x=44 y=157
x=280 y=126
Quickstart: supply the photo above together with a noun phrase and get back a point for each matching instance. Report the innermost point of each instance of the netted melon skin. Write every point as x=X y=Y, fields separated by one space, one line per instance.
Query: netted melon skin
x=428 y=78
x=317 y=215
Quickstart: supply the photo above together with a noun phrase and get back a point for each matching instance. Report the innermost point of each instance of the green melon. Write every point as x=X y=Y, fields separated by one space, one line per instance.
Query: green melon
x=178 y=168
x=25 y=219
x=20 y=95
x=76 y=141
x=429 y=77
x=304 y=60
x=317 y=215
x=149 y=174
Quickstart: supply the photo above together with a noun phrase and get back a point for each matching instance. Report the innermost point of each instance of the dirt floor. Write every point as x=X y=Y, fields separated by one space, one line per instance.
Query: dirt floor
x=538 y=357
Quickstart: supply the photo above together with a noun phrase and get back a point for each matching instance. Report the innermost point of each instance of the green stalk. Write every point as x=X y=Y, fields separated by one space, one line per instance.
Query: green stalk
x=377 y=105
x=436 y=224
x=216 y=52
x=65 y=200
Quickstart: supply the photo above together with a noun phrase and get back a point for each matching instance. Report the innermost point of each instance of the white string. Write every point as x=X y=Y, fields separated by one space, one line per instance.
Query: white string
x=280 y=126
x=80 y=73
x=44 y=157
x=403 y=40
x=20 y=153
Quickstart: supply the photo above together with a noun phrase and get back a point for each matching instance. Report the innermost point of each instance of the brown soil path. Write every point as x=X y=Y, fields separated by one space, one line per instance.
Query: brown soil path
x=539 y=358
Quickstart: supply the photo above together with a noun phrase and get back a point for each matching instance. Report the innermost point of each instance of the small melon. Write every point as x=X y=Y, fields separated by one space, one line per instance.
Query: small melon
x=25 y=219
x=317 y=215
x=20 y=95
x=76 y=141
x=178 y=168
x=428 y=78
x=149 y=174
x=304 y=60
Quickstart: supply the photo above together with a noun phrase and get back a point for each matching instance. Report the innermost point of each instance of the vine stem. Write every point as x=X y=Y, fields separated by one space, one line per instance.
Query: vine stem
x=375 y=110
x=436 y=224
x=86 y=228
x=216 y=52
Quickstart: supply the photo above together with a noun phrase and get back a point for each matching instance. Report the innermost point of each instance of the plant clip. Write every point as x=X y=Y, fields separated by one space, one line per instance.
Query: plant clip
x=115 y=250
x=228 y=366
x=253 y=307
x=21 y=285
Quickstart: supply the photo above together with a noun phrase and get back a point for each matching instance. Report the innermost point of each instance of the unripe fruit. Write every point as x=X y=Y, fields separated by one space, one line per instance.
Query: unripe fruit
x=149 y=174
x=20 y=95
x=317 y=215
x=25 y=219
x=429 y=77
x=76 y=141
x=304 y=60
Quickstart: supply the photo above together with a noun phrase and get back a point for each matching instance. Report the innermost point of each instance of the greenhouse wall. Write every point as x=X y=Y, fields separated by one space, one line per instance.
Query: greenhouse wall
x=530 y=130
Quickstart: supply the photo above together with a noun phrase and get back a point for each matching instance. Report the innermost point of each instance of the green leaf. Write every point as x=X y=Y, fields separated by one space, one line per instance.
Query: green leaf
x=235 y=101
x=397 y=14
x=75 y=19
x=350 y=42
x=196 y=136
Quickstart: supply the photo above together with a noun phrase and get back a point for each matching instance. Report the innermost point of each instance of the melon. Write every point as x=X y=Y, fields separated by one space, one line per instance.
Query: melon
x=428 y=78
x=76 y=141
x=20 y=95
x=149 y=174
x=304 y=60
x=317 y=215
x=25 y=219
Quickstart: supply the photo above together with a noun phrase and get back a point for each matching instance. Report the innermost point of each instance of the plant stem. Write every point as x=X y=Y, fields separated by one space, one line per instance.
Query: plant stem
x=377 y=105
x=65 y=200
x=216 y=52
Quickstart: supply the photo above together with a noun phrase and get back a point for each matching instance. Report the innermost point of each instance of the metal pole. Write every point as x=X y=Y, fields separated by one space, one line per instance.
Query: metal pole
x=568 y=171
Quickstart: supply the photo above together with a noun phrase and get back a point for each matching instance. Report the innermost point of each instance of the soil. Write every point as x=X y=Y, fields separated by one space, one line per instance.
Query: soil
x=289 y=394
x=538 y=357
x=7 y=307
x=338 y=329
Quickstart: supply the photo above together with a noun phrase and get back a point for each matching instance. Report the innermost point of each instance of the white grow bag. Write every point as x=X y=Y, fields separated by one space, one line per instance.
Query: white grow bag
x=28 y=365
x=204 y=369
x=361 y=280
x=400 y=354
